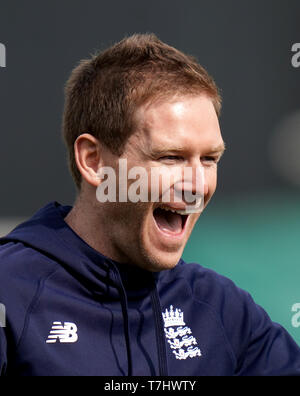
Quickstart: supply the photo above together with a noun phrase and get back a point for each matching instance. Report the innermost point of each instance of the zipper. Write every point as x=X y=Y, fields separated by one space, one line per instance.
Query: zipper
x=160 y=332
x=124 y=306
x=159 y=324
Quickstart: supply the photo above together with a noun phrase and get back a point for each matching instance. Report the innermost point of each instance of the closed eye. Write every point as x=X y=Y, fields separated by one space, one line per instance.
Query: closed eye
x=210 y=159
x=172 y=158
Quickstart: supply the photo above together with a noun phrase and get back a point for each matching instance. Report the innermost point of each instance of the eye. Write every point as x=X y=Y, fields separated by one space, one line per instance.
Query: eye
x=171 y=158
x=210 y=160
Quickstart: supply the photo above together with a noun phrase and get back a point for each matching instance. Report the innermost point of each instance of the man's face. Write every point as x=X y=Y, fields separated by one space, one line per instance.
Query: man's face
x=184 y=133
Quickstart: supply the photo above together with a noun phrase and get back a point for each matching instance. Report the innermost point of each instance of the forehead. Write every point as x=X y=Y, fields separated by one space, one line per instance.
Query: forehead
x=183 y=122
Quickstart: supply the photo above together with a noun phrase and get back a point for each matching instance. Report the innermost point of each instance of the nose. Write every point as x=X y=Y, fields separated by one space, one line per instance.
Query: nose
x=194 y=180
x=192 y=186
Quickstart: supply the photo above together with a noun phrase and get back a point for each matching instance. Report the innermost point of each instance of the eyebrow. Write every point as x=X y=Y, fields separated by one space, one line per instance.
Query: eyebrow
x=167 y=150
x=220 y=149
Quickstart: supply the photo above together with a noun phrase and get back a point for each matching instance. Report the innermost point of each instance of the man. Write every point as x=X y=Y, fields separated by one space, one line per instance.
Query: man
x=100 y=288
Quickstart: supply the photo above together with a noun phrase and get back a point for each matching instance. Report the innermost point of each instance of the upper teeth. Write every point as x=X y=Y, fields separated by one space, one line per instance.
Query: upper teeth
x=185 y=211
x=172 y=210
x=181 y=212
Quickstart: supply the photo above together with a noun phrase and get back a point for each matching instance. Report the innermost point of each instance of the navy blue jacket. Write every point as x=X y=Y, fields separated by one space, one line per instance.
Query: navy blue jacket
x=72 y=311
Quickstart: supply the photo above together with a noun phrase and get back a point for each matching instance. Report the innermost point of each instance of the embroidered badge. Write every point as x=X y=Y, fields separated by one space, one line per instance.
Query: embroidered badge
x=179 y=336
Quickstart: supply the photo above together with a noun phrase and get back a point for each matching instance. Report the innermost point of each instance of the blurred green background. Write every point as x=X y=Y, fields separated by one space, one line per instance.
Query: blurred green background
x=255 y=241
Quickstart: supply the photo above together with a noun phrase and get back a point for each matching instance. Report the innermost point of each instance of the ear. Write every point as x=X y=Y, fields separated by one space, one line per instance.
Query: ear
x=87 y=151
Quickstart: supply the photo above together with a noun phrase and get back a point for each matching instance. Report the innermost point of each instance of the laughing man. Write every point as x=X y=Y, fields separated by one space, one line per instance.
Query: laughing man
x=100 y=288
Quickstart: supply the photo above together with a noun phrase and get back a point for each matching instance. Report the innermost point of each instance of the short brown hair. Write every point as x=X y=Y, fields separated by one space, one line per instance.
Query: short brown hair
x=104 y=91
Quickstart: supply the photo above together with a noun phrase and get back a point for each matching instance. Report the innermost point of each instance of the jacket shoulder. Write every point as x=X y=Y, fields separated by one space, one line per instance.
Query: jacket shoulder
x=260 y=346
x=206 y=284
x=232 y=307
x=21 y=262
x=22 y=270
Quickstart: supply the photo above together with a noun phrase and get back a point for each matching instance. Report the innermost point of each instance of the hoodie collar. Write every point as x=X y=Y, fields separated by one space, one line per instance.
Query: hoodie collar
x=48 y=233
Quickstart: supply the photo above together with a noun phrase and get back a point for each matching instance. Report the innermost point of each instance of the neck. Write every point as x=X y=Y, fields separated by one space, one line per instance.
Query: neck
x=86 y=222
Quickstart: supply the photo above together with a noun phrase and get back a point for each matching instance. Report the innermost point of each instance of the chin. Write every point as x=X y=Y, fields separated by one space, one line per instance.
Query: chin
x=161 y=261
x=165 y=238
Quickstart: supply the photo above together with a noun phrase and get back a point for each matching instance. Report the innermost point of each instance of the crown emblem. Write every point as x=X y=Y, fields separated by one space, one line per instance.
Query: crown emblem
x=173 y=318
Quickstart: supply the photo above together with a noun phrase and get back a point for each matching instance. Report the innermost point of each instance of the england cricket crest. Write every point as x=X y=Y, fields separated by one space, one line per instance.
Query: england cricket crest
x=179 y=336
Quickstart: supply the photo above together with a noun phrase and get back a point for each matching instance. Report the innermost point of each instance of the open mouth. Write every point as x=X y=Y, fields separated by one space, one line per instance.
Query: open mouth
x=169 y=220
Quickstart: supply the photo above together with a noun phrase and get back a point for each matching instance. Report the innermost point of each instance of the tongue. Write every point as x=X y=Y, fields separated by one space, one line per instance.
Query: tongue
x=168 y=221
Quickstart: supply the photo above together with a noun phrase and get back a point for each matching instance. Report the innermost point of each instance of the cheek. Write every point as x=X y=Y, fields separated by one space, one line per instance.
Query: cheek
x=211 y=183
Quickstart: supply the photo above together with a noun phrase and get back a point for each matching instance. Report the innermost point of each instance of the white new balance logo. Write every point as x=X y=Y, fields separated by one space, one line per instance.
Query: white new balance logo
x=64 y=334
